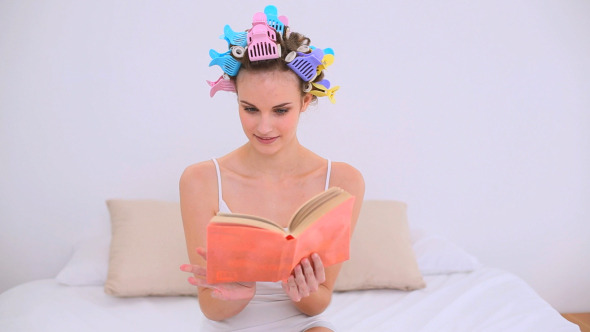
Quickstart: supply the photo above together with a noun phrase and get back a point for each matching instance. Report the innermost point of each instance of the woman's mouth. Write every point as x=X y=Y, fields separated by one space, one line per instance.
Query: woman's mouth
x=266 y=140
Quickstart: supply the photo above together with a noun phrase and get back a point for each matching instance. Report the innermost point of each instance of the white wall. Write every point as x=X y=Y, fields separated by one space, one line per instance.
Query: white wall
x=475 y=113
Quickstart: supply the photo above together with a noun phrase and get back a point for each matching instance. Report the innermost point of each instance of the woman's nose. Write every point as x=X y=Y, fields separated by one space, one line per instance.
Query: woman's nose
x=265 y=124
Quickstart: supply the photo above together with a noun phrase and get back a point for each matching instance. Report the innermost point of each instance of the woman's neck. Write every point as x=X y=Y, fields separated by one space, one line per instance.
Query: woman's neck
x=286 y=162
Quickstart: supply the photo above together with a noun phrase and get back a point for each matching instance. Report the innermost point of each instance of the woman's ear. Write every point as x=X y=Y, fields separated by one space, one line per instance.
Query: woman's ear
x=306 y=100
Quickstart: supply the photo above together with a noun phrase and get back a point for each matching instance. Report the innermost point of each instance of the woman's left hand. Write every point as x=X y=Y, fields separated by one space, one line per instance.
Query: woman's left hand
x=306 y=278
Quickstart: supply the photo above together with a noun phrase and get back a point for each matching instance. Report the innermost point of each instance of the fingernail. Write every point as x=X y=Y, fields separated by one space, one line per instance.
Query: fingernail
x=185 y=267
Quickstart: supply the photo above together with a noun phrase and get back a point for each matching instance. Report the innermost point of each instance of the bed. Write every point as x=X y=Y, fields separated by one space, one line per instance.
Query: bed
x=427 y=284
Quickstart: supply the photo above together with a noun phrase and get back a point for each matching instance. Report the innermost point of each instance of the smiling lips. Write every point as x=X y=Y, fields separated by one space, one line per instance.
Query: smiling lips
x=266 y=140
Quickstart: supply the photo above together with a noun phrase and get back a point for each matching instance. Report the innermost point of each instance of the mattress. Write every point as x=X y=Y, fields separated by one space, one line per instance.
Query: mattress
x=486 y=299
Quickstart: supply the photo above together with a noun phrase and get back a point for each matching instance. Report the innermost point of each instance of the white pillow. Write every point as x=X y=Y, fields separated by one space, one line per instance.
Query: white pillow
x=89 y=263
x=437 y=255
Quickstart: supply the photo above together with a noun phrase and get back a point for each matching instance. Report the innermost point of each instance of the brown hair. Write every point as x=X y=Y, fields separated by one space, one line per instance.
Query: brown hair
x=287 y=45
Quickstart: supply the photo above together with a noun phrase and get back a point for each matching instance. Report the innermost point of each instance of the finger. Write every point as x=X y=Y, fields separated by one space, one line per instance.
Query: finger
x=293 y=292
x=318 y=267
x=195 y=281
x=216 y=292
x=286 y=286
x=194 y=269
x=246 y=284
x=202 y=252
x=301 y=282
x=309 y=274
x=200 y=282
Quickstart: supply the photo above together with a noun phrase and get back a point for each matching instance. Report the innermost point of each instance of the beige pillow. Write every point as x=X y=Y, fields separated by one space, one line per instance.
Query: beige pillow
x=381 y=254
x=147 y=249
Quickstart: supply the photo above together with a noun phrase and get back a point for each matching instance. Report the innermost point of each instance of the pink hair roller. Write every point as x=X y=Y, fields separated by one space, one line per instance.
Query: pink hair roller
x=262 y=40
x=223 y=83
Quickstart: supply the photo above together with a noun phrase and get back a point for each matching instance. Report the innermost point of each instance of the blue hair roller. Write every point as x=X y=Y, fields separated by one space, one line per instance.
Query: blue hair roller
x=228 y=64
x=234 y=38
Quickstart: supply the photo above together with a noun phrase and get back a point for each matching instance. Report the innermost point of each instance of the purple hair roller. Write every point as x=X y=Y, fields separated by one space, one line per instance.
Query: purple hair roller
x=305 y=65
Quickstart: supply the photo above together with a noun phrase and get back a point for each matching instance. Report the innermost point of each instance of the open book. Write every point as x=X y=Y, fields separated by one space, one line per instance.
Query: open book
x=248 y=248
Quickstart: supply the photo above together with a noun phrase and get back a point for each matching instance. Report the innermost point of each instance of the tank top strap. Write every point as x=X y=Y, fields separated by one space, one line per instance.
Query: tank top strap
x=328 y=174
x=218 y=181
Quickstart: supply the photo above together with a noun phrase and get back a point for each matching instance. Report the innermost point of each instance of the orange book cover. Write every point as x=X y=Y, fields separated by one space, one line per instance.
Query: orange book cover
x=242 y=248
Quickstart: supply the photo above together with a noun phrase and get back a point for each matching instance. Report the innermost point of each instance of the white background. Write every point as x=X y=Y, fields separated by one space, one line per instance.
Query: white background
x=474 y=113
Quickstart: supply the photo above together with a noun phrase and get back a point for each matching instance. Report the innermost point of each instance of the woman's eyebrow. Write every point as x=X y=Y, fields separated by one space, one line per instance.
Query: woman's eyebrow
x=245 y=102
x=282 y=105
x=276 y=106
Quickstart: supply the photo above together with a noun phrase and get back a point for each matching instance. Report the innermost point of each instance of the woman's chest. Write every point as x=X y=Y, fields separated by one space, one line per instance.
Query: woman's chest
x=277 y=202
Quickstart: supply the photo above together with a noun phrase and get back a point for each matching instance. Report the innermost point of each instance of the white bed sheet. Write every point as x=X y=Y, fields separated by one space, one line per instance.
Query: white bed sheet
x=484 y=300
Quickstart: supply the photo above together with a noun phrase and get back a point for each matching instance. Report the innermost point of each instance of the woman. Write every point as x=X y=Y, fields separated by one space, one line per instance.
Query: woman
x=269 y=176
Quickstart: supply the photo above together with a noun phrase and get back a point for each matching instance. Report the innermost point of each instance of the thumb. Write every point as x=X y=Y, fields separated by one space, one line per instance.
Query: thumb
x=202 y=252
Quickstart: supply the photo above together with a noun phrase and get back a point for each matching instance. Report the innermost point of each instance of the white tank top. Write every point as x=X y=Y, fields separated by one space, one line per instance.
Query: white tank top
x=270 y=309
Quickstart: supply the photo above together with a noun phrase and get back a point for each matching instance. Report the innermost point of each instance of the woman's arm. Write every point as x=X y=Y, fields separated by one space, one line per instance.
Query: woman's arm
x=308 y=274
x=198 y=204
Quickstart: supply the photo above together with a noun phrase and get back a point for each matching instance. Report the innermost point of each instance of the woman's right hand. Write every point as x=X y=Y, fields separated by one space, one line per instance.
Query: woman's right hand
x=223 y=291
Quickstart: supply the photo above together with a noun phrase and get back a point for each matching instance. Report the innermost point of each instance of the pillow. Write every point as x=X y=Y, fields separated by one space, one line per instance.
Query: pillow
x=89 y=263
x=381 y=254
x=147 y=249
x=437 y=255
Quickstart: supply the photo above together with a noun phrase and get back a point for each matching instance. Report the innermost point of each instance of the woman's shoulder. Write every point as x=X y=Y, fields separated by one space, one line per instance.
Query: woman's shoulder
x=199 y=178
x=200 y=171
x=347 y=177
x=345 y=172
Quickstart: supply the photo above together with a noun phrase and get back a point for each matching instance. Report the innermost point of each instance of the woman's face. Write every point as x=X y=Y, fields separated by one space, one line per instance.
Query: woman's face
x=270 y=103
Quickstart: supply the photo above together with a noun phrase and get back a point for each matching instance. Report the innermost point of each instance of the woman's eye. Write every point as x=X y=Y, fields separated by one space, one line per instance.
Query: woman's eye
x=281 y=111
x=250 y=109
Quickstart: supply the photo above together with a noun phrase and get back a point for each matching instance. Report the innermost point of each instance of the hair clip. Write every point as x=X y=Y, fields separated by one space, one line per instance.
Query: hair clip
x=237 y=51
x=223 y=83
x=303 y=49
x=305 y=65
x=323 y=90
x=277 y=23
x=229 y=65
x=262 y=40
x=234 y=38
x=327 y=60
